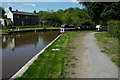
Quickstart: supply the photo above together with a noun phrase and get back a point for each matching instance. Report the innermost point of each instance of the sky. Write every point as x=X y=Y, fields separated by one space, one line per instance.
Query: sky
x=40 y=6
x=38 y=0
x=59 y=0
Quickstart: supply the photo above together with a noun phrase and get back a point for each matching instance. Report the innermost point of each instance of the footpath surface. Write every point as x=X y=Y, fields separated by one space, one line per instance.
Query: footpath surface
x=91 y=62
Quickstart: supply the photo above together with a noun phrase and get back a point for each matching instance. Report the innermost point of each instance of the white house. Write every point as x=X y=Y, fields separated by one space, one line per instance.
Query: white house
x=22 y=18
x=10 y=14
x=4 y=22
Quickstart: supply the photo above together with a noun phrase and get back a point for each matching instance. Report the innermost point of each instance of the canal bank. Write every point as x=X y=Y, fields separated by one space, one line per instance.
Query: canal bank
x=26 y=66
x=4 y=32
x=65 y=58
x=50 y=64
x=19 y=31
x=19 y=48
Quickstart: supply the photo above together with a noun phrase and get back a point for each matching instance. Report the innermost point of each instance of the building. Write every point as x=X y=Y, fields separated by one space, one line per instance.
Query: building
x=46 y=23
x=22 y=18
x=4 y=22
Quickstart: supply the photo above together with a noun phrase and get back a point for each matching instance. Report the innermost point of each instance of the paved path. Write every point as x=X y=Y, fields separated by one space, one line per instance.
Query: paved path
x=91 y=63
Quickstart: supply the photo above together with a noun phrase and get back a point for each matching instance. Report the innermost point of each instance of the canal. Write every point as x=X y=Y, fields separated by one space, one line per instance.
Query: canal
x=19 y=48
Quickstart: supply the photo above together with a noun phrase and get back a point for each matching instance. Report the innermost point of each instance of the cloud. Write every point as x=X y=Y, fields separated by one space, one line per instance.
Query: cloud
x=6 y=9
x=9 y=4
x=35 y=0
x=30 y=4
x=22 y=9
x=75 y=1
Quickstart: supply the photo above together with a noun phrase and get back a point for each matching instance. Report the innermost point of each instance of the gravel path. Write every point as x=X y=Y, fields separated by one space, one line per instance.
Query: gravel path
x=91 y=62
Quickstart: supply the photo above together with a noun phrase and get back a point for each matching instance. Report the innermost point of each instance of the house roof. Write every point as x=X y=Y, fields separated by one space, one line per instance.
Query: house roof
x=23 y=13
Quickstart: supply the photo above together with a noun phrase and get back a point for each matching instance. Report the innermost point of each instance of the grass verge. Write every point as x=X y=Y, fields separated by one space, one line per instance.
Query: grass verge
x=50 y=64
x=7 y=29
x=109 y=45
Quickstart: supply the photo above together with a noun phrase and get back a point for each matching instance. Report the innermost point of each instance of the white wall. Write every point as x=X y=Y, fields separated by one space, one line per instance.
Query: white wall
x=2 y=22
x=10 y=15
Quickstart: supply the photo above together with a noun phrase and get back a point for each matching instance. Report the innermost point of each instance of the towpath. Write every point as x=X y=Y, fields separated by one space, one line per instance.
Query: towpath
x=91 y=62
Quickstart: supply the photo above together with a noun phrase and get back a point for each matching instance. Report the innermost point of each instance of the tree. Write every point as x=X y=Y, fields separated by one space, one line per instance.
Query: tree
x=102 y=11
x=111 y=11
x=70 y=16
x=2 y=12
x=94 y=10
x=52 y=18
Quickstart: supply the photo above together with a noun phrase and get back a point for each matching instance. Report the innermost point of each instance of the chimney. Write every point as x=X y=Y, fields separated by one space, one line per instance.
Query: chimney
x=34 y=11
x=10 y=8
x=16 y=10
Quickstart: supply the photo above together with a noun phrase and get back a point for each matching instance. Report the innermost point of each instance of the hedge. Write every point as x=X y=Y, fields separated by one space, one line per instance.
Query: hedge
x=113 y=28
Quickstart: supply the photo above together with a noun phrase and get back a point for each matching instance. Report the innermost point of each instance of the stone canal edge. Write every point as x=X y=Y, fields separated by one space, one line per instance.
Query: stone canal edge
x=26 y=66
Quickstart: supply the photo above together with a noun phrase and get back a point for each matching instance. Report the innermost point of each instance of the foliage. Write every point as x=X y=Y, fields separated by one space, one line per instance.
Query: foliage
x=70 y=16
x=111 y=11
x=52 y=18
x=109 y=45
x=94 y=10
x=11 y=24
x=6 y=29
x=50 y=63
x=114 y=29
x=101 y=12
x=2 y=11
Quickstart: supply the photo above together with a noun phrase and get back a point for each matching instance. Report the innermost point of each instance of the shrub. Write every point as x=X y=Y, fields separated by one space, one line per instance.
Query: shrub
x=11 y=24
x=113 y=28
x=87 y=22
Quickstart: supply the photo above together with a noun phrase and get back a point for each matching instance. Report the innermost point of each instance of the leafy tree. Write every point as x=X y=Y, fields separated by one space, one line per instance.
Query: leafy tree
x=70 y=16
x=111 y=11
x=52 y=18
x=2 y=12
x=94 y=10
x=101 y=12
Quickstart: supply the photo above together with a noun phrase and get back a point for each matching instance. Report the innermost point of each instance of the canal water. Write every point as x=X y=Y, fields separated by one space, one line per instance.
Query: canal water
x=19 y=48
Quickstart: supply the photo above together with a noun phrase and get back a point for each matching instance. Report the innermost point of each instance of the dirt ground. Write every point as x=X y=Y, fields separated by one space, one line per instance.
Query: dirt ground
x=90 y=62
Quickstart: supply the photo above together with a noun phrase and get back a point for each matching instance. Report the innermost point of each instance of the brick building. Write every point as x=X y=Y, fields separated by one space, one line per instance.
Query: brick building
x=22 y=18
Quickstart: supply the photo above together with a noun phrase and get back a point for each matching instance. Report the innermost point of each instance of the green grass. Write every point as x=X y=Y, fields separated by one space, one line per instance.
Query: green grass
x=50 y=64
x=109 y=45
x=42 y=27
x=7 y=29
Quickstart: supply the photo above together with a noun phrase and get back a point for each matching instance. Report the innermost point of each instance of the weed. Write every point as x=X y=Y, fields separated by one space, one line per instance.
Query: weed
x=109 y=45
x=52 y=64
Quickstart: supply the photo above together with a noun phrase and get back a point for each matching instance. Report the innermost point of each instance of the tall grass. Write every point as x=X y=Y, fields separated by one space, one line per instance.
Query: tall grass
x=50 y=64
x=114 y=29
x=109 y=45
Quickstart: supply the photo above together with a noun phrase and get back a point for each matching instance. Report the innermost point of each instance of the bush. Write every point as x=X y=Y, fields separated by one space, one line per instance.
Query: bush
x=31 y=26
x=87 y=23
x=113 y=28
x=11 y=24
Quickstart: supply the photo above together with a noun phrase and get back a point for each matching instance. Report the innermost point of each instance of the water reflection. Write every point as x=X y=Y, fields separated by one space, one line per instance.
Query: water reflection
x=18 y=48
x=18 y=40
